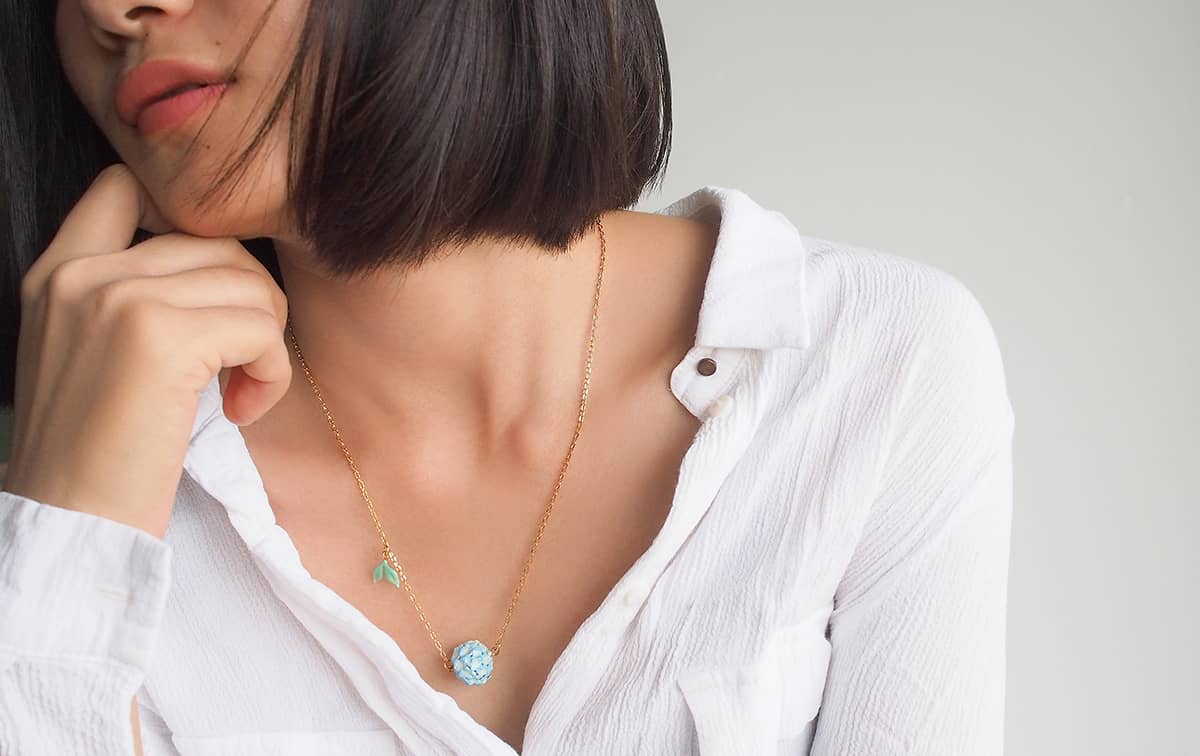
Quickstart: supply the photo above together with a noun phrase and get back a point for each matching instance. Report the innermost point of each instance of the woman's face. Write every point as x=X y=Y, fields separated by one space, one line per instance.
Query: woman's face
x=105 y=46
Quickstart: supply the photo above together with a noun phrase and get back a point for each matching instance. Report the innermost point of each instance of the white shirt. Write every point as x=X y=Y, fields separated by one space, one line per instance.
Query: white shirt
x=831 y=578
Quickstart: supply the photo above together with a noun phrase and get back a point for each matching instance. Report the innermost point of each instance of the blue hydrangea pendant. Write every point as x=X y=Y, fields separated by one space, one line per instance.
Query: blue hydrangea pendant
x=472 y=662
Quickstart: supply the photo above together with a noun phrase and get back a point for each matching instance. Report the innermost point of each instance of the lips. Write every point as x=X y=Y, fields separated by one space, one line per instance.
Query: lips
x=161 y=93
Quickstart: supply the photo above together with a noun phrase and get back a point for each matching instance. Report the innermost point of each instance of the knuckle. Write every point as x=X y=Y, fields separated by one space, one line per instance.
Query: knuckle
x=116 y=171
x=111 y=297
x=232 y=251
x=238 y=255
x=281 y=305
x=29 y=289
x=260 y=284
x=275 y=299
x=66 y=281
x=265 y=319
x=271 y=298
x=246 y=276
x=144 y=322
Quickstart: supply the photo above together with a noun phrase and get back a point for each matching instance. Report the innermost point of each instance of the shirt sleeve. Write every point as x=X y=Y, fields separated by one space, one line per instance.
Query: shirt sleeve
x=917 y=663
x=82 y=598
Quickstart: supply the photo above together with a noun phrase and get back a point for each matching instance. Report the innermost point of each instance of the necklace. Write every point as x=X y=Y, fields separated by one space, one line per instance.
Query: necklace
x=471 y=661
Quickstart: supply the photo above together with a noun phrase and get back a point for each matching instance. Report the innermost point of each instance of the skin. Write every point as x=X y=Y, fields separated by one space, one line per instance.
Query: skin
x=467 y=370
x=475 y=350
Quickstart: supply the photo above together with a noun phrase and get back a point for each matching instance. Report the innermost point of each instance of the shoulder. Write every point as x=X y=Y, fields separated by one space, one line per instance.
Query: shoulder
x=859 y=288
x=914 y=333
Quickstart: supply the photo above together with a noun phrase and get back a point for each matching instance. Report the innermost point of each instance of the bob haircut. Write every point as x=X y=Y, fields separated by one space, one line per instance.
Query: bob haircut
x=423 y=123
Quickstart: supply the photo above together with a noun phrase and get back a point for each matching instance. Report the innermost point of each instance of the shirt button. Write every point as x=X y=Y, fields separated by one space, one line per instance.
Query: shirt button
x=706 y=366
x=719 y=405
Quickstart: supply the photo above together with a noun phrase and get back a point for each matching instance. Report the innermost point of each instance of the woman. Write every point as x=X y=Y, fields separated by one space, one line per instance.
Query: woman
x=623 y=482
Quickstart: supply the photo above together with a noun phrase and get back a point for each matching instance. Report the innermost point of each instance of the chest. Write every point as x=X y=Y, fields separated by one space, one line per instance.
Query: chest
x=614 y=499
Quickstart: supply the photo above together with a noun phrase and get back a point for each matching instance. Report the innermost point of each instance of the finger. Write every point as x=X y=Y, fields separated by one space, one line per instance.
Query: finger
x=103 y=220
x=248 y=340
x=162 y=268
x=177 y=251
x=209 y=287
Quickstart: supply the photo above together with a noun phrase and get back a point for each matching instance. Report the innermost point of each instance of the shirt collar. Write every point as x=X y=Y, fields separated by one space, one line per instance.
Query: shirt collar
x=755 y=293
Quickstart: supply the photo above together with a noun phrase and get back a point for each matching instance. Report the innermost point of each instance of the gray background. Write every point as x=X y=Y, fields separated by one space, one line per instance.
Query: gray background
x=1045 y=153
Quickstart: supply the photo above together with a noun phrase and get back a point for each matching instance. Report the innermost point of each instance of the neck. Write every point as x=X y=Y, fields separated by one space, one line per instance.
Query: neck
x=478 y=342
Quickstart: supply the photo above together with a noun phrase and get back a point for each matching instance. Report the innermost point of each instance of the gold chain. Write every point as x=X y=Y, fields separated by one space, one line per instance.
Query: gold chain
x=390 y=556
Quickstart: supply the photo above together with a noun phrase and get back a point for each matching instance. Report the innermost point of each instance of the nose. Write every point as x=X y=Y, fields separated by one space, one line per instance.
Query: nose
x=115 y=22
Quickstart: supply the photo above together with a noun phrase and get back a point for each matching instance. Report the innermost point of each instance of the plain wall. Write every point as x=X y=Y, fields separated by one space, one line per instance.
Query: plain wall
x=1045 y=153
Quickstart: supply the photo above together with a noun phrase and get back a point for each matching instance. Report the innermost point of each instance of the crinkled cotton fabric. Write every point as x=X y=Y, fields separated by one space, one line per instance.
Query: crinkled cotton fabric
x=830 y=579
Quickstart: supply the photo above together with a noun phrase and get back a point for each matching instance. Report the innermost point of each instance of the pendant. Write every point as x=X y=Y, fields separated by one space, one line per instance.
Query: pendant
x=385 y=570
x=472 y=662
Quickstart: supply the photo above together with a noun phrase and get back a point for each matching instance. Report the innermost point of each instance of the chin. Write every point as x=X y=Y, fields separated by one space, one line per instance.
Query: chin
x=218 y=222
x=237 y=211
x=249 y=204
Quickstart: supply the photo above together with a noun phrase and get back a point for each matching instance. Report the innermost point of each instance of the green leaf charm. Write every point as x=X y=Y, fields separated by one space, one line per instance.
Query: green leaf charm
x=384 y=570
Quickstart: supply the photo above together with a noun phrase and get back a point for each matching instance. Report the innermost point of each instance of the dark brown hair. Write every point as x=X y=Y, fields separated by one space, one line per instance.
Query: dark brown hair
x=423 y=123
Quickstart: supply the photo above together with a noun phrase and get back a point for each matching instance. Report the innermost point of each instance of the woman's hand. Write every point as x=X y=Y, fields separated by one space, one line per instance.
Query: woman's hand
x=117 y=343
